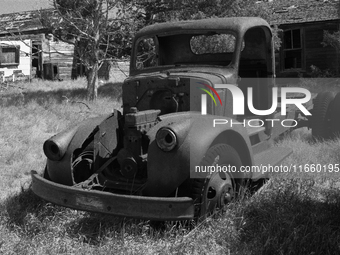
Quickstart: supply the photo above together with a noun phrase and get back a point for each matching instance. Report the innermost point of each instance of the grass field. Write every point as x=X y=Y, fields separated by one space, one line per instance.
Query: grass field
x=294 y=213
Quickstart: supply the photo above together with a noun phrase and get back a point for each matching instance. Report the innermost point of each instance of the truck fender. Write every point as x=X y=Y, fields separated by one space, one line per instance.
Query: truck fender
x=196 y=134
x=60 y=171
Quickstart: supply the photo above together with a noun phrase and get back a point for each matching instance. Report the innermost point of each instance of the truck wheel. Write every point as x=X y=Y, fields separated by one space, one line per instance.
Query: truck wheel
x=218 y=188
x=321 y=126
x=335 y=115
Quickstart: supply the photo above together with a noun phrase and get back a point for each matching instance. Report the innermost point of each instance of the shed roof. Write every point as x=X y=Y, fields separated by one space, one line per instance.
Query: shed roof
x=301 y=11
x=20 y=22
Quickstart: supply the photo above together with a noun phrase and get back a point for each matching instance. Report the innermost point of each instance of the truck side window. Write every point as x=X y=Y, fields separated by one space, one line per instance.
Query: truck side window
x=253 y=61
x=146 y=53
x=255 y=45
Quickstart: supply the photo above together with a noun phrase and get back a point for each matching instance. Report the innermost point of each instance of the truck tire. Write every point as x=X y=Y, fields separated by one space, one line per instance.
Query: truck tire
x=321 y=126
x=218 y=188
x=335 y=115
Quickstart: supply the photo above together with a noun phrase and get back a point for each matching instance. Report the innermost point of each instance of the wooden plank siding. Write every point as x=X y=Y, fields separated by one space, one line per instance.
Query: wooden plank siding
x=57 y=53
x=26 y=30
x=313 y=51
x=60 y=54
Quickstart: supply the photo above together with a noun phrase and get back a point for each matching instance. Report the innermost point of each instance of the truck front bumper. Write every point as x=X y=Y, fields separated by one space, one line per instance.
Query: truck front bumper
x=151 y=208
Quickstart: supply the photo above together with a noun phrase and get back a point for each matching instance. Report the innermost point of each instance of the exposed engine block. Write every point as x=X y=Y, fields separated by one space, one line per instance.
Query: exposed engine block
x=132 y=158
x=122 y=150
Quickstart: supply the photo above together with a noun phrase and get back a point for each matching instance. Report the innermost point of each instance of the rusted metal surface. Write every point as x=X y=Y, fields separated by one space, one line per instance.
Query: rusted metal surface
x=142 y=163
x=155 y=208
x=237 y=24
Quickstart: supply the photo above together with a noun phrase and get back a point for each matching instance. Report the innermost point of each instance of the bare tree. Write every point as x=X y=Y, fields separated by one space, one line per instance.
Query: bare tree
x=99 y=29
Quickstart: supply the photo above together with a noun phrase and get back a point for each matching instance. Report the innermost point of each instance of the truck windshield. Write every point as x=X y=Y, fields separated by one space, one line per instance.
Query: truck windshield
x=209 y=48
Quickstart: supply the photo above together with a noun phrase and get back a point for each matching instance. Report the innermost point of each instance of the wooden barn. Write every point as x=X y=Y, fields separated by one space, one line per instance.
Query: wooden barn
x=27 y=50
x=302 y=24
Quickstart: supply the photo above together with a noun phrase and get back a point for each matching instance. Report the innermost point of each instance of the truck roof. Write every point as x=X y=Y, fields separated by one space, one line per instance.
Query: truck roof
x=240 y=24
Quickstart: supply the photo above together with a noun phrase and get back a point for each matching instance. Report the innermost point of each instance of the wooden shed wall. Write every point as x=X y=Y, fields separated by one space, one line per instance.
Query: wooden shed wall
x=59 y=53
x=313 y=53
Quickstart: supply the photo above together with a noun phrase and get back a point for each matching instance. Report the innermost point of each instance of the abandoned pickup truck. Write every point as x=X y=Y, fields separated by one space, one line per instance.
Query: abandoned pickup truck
x=143 y=162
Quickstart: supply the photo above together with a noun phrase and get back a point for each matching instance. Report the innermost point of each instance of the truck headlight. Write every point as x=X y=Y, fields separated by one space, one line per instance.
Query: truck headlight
x=166 y=139
x=52 y=150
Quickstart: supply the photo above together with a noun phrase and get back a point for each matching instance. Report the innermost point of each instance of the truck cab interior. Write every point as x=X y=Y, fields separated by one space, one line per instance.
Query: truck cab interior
x=255 y=68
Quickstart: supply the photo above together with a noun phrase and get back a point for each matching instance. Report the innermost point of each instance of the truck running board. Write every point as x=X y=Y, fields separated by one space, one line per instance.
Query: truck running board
x=269 y=158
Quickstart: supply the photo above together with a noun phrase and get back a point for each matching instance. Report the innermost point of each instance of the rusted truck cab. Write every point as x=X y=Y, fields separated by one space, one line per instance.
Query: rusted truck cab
x=150 y=160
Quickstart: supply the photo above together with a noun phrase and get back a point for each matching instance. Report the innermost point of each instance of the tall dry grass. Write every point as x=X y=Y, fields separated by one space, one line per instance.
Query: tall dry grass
x=32 y=112
x=294 y=213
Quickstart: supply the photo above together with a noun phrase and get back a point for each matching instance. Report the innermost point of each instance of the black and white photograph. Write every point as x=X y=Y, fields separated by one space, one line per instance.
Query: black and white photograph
x=170 y=127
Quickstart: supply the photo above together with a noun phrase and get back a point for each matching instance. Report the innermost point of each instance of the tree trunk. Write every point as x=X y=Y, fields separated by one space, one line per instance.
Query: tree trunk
x=92 y=82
